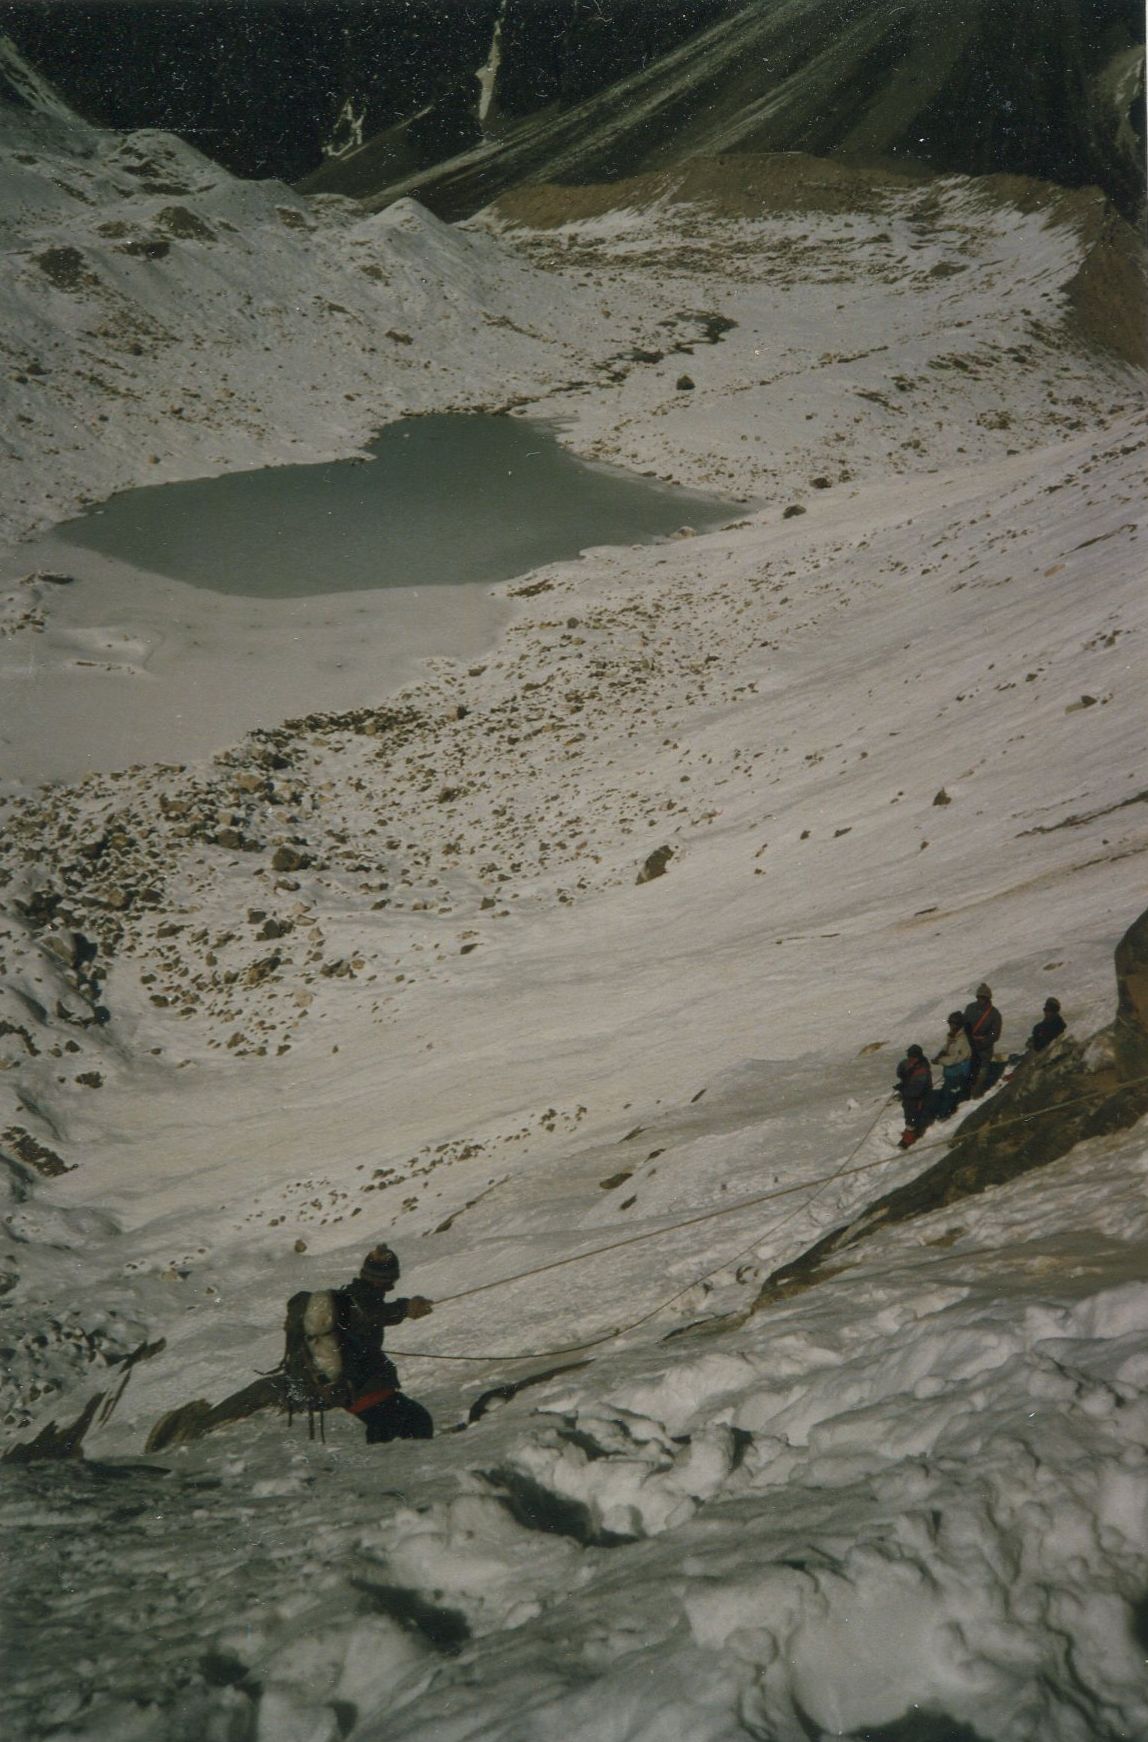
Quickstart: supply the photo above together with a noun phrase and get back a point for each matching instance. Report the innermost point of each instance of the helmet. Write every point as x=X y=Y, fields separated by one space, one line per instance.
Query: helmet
x=915 y=1052
x=1052 y=1003
x=380 y=1266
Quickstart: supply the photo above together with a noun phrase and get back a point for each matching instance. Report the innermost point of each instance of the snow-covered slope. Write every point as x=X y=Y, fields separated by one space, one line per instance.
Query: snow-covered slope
x=387 y=971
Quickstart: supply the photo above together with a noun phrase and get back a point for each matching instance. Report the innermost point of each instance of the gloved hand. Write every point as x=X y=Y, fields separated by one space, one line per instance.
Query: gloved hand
x=418 y=1307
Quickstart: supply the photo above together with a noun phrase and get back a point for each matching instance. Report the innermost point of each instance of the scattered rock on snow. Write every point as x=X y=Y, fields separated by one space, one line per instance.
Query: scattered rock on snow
x=290 y=859
x=655 y=865
x=25 y=1147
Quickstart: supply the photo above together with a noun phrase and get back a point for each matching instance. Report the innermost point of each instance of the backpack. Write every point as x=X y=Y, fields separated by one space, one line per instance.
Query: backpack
x=312 y=1364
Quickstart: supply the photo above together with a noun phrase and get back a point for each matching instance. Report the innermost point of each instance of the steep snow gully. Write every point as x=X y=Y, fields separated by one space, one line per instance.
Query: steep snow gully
x=587 y=919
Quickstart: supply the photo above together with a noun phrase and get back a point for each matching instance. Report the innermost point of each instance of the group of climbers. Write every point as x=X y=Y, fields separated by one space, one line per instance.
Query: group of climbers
x=334 y=1338
x=967 y=1062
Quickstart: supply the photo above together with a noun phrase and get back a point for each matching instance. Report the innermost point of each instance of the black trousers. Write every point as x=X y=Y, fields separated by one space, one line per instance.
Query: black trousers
x=397 y=1418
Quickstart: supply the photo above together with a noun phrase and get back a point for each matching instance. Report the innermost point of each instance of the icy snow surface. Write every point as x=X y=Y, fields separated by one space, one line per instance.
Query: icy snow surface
x=909 y=1503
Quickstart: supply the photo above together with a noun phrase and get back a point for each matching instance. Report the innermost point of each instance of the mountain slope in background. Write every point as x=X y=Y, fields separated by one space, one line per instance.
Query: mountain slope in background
x=388 y=969
x=269 y=87
x=456 y=100
x=978 y=87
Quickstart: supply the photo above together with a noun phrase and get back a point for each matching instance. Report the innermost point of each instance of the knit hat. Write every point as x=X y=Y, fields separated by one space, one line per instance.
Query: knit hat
x=380 y=1265
x=1052 y=1003
x=916 y=1052
x=984 y=991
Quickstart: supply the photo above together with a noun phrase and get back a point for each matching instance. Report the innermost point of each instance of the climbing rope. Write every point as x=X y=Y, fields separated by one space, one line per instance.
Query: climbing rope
x=814 y=1187
x=615 y=1331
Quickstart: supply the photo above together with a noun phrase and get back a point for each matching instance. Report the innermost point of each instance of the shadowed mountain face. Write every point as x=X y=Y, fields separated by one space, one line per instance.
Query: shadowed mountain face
x=1051 y=90
x=456 y=101
x=269 y=87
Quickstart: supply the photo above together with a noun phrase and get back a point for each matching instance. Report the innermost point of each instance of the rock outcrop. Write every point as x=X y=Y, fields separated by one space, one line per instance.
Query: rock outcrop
x=977 y=89
x=190 y=1421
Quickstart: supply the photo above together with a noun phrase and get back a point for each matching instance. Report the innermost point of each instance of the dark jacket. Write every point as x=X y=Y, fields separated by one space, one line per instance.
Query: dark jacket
x=914 y=1081
x=1046 y=1031
x=983 y=1023
x=364 y=1314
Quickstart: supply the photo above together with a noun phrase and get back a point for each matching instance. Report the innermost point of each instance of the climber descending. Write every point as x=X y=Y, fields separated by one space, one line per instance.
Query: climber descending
x=334 y=1354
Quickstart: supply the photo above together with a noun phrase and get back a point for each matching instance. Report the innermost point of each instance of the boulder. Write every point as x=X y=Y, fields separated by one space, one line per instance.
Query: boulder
x=60 y=945
x=655 y=865
x=288 y=858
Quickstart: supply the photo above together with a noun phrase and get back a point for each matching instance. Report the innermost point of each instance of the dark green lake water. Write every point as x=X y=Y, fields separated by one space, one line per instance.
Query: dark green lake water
x=444 y=500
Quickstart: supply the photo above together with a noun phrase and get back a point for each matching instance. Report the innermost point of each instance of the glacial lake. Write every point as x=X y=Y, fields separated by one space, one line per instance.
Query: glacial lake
x=443 y=500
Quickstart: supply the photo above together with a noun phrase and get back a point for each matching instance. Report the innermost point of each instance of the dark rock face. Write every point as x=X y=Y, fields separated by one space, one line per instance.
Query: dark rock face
x=1012 y=86
x=54 y=1441
x=190 y=1421
x=1130 y=1031
x=591 y=90
x=267 y=86
x=1056 y=1099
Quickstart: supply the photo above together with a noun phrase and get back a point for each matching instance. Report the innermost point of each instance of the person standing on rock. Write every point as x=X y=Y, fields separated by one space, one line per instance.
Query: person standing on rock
x=364 y=1314
x=915 y=1087
x=1051 y=1026
x=983 y=1024
x=956 y=1061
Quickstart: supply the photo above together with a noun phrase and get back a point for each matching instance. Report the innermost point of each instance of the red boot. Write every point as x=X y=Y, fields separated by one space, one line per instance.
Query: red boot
x=908 y=1138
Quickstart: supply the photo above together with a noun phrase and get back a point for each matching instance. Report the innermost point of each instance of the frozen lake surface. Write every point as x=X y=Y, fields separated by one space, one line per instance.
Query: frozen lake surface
x=444 y=500
x=203 y=609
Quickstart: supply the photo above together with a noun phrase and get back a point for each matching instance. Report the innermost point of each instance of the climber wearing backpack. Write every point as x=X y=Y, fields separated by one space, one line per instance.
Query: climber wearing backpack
x=334 y=1356
x=374 y=1385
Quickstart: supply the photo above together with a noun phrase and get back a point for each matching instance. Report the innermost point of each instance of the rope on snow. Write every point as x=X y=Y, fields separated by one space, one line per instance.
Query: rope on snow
x=814 y=1187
